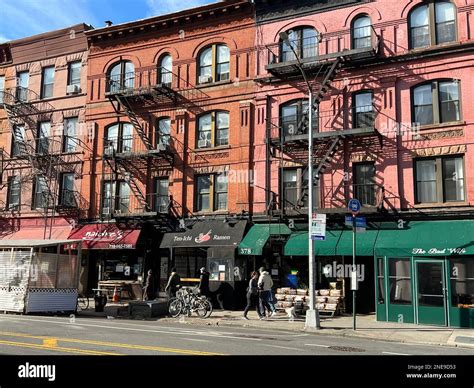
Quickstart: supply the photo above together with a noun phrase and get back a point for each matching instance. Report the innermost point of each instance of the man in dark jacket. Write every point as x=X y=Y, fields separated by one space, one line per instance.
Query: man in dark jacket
x=173 y=283
x=204 y=282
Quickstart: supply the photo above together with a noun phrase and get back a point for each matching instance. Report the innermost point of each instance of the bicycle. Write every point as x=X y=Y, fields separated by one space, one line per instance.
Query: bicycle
x=188 y=301
x=82 y=302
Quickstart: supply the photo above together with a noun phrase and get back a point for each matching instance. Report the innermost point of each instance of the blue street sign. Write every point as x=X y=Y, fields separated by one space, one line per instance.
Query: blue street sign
x=361 y=222
x=354 y=206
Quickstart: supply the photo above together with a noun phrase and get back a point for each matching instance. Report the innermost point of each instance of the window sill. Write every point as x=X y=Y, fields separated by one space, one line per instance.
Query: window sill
x=212 y=213
x=211 y=149
x=211 y=84
x=442 y=126
x=433 y=47
x=440 y=205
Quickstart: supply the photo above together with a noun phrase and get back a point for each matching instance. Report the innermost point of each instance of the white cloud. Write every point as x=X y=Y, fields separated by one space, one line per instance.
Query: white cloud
x=160 y=7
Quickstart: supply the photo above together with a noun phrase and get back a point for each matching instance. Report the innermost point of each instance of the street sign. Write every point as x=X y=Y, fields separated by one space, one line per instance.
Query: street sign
x=354 y=206
x=360 y=222
x=318 y=227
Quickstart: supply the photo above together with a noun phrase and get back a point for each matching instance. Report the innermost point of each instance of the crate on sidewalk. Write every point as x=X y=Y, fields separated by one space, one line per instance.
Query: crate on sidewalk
x=147 y=309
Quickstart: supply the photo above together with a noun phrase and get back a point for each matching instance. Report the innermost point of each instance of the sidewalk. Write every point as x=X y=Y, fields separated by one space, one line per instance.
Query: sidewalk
x=367 y=326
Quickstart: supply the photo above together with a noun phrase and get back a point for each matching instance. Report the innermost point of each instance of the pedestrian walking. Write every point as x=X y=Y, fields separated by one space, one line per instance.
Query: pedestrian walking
x=173 y=283
x=265 y=284
x=252 y=296
x=149 y=289
x=204 y=282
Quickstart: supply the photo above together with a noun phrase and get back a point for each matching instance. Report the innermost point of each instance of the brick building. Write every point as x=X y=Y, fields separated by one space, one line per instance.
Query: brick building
x=43 y=137
x=171 y=99
x=391 y=127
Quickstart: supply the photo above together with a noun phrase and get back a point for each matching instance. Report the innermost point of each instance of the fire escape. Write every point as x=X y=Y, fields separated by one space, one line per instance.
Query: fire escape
x=330 y=129
x=38 y=158
x=130 y=156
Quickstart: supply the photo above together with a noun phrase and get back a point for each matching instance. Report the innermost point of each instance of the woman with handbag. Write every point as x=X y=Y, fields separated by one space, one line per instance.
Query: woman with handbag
x=252 y=296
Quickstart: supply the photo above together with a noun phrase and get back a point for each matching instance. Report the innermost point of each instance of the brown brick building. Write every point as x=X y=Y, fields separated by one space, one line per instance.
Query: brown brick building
x=171 y=100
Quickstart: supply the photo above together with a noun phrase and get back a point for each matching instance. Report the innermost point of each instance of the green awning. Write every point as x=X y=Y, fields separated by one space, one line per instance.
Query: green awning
x=427 y=238
x=365 y=243
x=297 y=245
x=258 y=235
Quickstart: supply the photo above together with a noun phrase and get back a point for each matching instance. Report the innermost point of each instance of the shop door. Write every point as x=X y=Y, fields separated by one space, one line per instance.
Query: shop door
x=430 y=292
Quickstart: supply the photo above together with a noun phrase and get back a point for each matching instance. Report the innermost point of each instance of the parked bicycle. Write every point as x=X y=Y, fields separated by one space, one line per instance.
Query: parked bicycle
x=188 y=301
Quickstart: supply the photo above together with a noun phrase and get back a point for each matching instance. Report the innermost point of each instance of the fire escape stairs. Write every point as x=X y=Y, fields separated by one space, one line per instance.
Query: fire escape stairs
x=130 y=179
x=121 y=100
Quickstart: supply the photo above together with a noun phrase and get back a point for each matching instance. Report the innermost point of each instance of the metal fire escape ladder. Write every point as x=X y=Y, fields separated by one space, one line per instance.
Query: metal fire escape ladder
x=128 y=177
x=121 y=100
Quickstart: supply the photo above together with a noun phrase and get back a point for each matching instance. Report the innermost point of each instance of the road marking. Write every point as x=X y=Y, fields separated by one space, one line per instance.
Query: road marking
x=50 y=342
x=194 y=339
x=319 y=346
x=57 y=349
x=203 y=334
x=114 y=344
x=396 y=354
x=283 y=347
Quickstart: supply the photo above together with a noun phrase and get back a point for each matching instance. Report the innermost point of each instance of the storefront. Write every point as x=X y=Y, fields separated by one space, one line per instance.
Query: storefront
x=264 y=243
x=334 y=263
x=425 y=273
x=210 y=244
x=110 y=253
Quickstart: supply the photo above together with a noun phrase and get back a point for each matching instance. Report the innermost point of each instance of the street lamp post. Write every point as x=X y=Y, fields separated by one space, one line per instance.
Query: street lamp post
x=312 y=315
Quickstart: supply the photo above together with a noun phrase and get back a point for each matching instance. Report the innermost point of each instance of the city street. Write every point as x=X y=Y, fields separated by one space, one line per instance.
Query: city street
x=39 y=335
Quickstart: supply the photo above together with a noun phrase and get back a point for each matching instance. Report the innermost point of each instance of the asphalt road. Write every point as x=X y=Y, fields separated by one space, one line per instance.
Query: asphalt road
x=39 y=335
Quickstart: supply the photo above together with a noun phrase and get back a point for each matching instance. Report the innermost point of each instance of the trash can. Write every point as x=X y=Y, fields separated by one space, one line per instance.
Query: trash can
x=100 y=302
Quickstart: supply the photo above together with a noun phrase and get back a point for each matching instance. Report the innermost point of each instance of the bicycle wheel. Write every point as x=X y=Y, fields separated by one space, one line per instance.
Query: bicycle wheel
x=175 y=307
x=208 y=306
x=201 y=308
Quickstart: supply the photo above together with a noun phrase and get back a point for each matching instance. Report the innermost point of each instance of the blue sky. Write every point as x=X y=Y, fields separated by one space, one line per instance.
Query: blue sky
x=21 y=18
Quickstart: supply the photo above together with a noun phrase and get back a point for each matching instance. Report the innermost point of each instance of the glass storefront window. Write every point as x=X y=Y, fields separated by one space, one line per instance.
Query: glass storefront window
x=221 y=269
x=380 y=281
x=462 y=282
x=399 y=274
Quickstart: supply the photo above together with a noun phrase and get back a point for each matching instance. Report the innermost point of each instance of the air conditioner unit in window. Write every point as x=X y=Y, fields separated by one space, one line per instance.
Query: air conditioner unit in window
x=109 y=151
x=203 y=143
x=73 y=89
x=225 y=76
x=205 y=79
x=162 y=146
x=106 y=211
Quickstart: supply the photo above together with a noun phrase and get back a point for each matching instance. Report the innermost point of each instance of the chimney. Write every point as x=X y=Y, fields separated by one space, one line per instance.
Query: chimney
x=108 y=23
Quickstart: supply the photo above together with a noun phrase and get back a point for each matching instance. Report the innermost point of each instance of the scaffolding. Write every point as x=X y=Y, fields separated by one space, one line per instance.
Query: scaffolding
x=40 y=156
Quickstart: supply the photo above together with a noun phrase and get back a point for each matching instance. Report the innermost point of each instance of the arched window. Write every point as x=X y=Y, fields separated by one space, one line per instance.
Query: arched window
x=436 y=102
x=119 y=138
x=121 y=76
x=302 y=40
x=292 y=116
x=163 y=132
x=165 y=70
x=432 y=23
x=213 y=129
x=361 y=32
x=214 y=64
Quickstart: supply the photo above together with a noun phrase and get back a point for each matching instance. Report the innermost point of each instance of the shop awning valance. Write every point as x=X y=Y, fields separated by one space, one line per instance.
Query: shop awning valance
x=297 y=245
x=206 y=234
x=365 y=243
x=105 y=236
x=427 y=238
x=258 y=235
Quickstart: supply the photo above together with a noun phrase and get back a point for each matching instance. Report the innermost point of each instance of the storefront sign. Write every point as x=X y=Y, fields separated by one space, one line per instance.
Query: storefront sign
x=208 y=233
x=106 y=236
x=439 y=251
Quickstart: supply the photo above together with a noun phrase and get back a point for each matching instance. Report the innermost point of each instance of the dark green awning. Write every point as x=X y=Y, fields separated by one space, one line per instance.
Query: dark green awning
x=258 y=235
x=365 y=243
x=427 y=238
x=297 y=245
